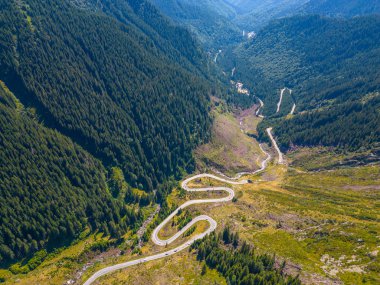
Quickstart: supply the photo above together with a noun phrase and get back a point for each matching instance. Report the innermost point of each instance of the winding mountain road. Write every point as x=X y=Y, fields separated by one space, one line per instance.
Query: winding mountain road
x=280 y=155
x=259 y=109
x=211 y=221
x=217 y=54
x=280 y=101
x=293 y=109
x=281 y=97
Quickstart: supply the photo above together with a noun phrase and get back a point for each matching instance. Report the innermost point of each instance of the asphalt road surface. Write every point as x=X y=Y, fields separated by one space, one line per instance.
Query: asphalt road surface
x=211 y=221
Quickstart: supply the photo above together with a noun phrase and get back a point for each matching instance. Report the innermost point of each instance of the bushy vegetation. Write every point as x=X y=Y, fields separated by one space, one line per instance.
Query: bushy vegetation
x=239 y=264
x=175 y=42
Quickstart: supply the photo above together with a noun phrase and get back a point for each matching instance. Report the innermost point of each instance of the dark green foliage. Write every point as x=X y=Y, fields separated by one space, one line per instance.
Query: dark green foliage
x=330 y=65
x=108 y=83
x=256 y=14
x=351 y=126
x=175 y=42
x=183 y=219
x=229 y=237
x=51 y=189
x=184 y=222
x=190 y=231
x=240 y=100
x=210 y=20
x=319 y=58
x=240 y=266
x=342 y=8
x=108 y=76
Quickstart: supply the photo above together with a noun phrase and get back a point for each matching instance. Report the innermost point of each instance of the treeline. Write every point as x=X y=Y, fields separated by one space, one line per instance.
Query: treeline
x=51 y=189
x=238 y=262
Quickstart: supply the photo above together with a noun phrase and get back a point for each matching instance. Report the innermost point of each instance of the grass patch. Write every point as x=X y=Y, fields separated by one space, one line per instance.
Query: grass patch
x=230 y=150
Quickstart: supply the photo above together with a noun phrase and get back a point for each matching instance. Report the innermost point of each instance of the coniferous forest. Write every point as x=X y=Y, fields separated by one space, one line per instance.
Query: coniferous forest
x=349 y=126
x=112 y=77
x=332 y=68
x=51 y=188
x=238 y=262
x=103 y=104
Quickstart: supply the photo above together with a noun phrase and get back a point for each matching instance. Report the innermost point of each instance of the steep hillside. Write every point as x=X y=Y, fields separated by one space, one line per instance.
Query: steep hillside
x=326 y=62
x=352 y=126
x=305 y=53
x=220 y=23
x=254 y=15
x=210 y=21
x=108 y=79
x=175 y=42
x=51 y=189
x=342 y=8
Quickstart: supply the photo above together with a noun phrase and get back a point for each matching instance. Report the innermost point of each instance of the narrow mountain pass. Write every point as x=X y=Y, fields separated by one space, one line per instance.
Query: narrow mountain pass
x=211 y=221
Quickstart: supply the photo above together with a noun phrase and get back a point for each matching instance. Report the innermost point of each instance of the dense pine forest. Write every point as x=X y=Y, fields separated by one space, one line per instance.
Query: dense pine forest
x=210 y=21
x=331 y=65
x=238 y=262
x=107 y=85
x=51 y=189
x=304 y=53
x=341 y=8
x=103 y=84
x=349 y=126
x=103 y=102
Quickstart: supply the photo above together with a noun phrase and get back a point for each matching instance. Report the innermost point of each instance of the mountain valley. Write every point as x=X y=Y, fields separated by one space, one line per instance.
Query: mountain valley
x=189 y=142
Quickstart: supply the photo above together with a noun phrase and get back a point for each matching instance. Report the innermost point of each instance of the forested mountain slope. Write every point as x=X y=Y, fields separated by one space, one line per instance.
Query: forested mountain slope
x=109 y=83
x=342 y=8
x=211 y=20
x=350 y=126
x=219 y=23
x=255 y=14
x=51 y=188
x=100 y=84
x=326 y=62
x=305 y=52
x=175 y=42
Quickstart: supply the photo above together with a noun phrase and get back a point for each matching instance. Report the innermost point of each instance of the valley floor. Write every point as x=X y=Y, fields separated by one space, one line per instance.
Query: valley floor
x=324 y=223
